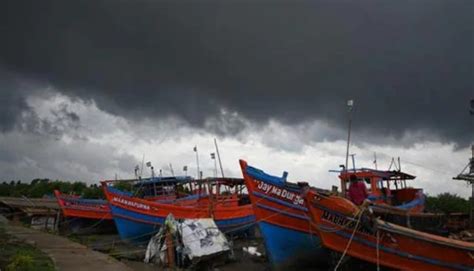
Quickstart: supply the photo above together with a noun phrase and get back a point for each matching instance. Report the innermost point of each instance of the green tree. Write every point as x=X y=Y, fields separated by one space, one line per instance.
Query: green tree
x=78 y=187
x=122 y=185
x=38 y=188
x=5 y=189
x=93 y=192
x=447 y=203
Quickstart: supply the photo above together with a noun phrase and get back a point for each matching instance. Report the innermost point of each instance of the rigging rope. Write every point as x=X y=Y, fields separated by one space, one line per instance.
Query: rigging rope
x=350 y=240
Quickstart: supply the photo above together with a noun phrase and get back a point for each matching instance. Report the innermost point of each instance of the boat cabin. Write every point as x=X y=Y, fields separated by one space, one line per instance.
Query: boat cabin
x=385 y=187
x=162 y=188
x=184 y=190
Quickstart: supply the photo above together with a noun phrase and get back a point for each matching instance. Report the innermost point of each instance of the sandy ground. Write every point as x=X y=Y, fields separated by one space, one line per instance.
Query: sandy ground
x=71 y=255
x=66 y=254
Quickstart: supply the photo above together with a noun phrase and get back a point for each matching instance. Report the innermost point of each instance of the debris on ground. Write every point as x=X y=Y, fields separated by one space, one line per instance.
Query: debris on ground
x=185 y=243
x=252 y=251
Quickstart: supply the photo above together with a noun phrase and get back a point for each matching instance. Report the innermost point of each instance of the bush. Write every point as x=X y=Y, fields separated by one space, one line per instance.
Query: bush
x=447 y=203
x=21 y=262
x=41 y=187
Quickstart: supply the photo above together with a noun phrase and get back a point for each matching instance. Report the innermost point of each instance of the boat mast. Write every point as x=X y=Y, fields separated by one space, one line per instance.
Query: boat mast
x=141 y=169
x=219 y=157
x=350 y=105
x=375 y=160
x=213 y=157
x=353 y=162
x=198 y=176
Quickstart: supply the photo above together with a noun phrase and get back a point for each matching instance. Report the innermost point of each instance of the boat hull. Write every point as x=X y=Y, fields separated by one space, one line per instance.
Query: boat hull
x=286 y=246
x=398 y=247
x=75 y=207
x=138 y=219
x=283 y=221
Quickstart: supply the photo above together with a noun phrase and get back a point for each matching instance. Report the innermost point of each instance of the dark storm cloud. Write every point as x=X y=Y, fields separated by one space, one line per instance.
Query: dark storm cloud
x=15 y=113
x=61 y=122
x=408 y=64
x=12 y=101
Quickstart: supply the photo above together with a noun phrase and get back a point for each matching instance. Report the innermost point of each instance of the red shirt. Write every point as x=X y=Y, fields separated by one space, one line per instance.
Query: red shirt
x=357 y=192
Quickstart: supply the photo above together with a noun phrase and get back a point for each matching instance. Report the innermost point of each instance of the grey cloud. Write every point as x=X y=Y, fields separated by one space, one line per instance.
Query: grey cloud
x=408 y=65
x=61 y=122
x=28 y=156
x=12 y=101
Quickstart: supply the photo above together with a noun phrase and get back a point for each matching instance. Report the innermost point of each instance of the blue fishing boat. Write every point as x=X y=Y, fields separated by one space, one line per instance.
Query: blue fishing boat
x=138 y=218
x=283 y=219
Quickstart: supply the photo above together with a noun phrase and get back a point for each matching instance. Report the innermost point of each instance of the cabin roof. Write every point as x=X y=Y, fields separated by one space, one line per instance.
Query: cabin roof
x=170 y=180
x=384 y=174
x=225 y=181
x=182 y=180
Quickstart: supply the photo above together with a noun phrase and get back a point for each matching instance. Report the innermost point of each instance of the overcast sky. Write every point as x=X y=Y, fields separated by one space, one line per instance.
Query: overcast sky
x=89 y=87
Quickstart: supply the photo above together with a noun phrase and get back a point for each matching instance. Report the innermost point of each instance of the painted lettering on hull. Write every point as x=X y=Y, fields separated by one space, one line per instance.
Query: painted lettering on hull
x=130 y=203
x=281 y=193
x=344 y=222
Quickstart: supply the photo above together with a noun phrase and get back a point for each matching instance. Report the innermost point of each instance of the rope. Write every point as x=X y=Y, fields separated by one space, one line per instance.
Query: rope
x=341 y=227
x=350 y=240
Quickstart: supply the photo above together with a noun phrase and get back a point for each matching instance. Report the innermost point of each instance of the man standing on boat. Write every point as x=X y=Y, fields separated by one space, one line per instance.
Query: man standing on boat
x=357 y=190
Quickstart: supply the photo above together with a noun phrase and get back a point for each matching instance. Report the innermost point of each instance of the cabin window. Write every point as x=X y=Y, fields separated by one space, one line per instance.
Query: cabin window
x=380 y=184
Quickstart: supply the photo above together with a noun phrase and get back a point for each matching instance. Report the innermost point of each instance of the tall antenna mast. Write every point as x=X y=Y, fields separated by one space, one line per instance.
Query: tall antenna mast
x=350 y=105
x=469 y=176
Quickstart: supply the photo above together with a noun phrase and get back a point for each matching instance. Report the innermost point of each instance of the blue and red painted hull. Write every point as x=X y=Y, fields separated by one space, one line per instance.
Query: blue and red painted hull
x=283 y=220
x=137 y=219
x=286 y=247
x=77 y=207
x=345 y=228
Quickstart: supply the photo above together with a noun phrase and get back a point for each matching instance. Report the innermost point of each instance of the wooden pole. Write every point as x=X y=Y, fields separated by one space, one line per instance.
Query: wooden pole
x=170 y=249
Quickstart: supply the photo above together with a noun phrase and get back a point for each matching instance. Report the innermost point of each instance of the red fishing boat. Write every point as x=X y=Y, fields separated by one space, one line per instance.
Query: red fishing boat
x=222 y=199
x=386 y=188
x=393 y=200
x=75 y=206
x=345 y=228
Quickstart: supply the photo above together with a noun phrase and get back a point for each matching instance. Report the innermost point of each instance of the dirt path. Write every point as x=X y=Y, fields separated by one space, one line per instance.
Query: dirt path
x=66 y=254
